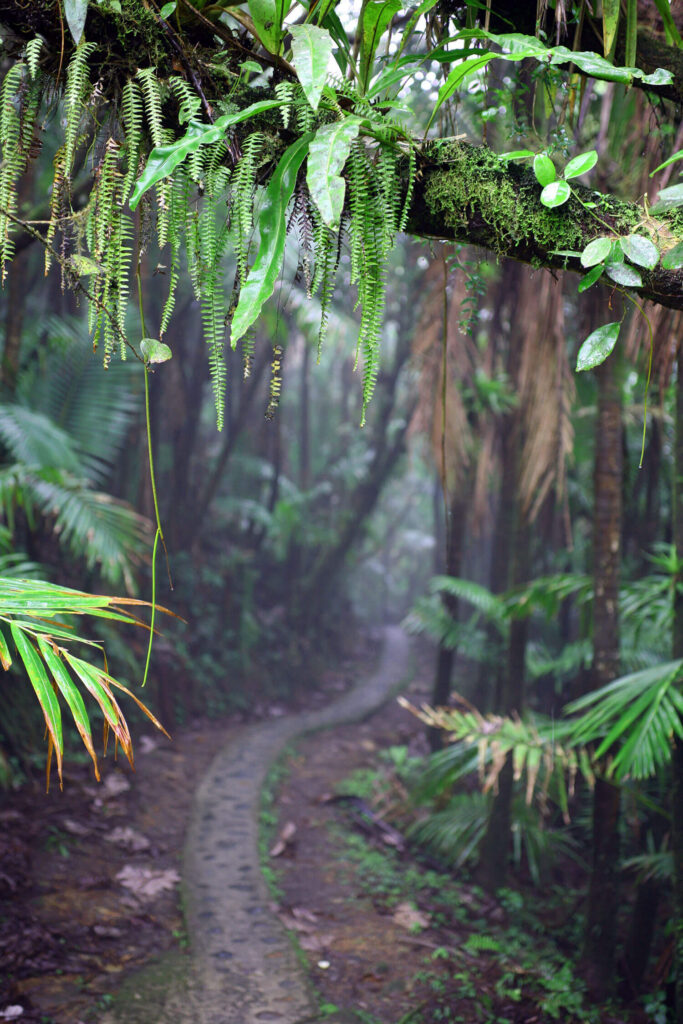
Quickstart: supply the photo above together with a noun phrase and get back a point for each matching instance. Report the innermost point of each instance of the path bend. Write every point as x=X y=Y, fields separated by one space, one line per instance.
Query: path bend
x=244 y=968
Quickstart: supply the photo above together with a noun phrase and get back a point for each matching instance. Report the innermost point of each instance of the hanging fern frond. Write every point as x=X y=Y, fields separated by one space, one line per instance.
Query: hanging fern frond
x=132 y=115
x=153 y=96
x=275 y=381
x=32 y=52
x=19 y=101
x=77 y=88
x=243 y=190
x=189 y=103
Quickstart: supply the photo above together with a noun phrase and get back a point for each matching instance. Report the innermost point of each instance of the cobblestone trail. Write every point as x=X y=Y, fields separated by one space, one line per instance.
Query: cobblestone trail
x=244 y=970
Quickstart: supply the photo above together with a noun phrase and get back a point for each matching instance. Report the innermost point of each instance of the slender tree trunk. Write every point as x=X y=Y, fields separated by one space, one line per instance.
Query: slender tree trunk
x=446 y=655
x=601 y=920
x=677 y=761
x=495 y=851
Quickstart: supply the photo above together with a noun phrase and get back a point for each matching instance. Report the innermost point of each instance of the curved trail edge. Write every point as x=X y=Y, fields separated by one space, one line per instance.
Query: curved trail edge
x=244 y=969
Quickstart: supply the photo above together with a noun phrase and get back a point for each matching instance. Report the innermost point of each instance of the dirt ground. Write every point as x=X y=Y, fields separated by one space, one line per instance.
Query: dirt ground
x=88 y=883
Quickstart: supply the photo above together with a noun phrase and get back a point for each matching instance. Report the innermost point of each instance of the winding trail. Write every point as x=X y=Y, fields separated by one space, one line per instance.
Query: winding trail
x=244 y=969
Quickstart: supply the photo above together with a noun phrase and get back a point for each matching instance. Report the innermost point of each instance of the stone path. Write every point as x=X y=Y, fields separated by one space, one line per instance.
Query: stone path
x=244 y=969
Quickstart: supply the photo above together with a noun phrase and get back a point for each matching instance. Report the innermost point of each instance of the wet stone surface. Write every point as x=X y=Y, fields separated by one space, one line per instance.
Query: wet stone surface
x=243 y=969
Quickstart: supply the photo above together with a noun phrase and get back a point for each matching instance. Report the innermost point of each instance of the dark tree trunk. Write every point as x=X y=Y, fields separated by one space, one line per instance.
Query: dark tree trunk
x=603 y=906
x=677 y=761
x=457 y=521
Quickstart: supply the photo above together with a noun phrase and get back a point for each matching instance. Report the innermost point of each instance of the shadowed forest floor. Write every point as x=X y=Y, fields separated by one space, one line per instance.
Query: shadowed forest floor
x=88 y=886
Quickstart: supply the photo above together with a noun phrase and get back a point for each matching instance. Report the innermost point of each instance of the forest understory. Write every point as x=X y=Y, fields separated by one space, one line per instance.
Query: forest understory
x=89 y=885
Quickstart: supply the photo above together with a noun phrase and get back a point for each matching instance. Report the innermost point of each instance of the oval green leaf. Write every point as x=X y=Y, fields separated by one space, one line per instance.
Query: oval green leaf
x=591 y=277
x=516 y=154
x=154 y=351
x=327 y=155
x=596 y=251
x=76 y=12
x=555 y=194
x=544 y=169
x=673 y=259
x=669 y=198
x=311 y=49
x=624 y=275
x=581 y=164
x=597 y=346
x=640 y=250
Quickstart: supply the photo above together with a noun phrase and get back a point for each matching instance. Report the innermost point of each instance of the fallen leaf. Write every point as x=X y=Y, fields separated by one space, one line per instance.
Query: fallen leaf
x=408 y=916
x=127 y=837
x=146 y=883
x=285 y=839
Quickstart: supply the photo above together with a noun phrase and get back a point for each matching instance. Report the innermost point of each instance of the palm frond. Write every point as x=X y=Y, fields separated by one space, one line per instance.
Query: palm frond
x=33 y=612
x=642 y=712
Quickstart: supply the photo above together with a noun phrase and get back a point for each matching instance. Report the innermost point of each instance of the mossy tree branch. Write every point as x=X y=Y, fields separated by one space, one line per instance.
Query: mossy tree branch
x=467 y=194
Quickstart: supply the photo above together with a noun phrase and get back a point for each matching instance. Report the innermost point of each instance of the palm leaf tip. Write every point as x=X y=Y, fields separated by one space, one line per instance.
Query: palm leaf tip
x=30 y=609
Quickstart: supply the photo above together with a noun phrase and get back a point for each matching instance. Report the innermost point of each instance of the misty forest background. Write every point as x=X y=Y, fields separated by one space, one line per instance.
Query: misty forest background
x=492 y=492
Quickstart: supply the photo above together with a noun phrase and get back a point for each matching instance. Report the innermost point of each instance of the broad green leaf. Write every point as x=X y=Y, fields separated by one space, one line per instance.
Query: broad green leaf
x=163 y=160
x=268 y=16
x=555 y=194
x=71 y=695
x=273 y=230
x=327 y=155
x=597 y=346
x=640 y=250
x=76 y=12
x=623 y=274
x=544 y=169
x=673 y=259
x=454 y=79
x=672 y=34
x=167 y=10
x=596 y=251
x=669 y=198
x=43 y=688
x=516 y=154
x=422 y=9
x=591 y=277
x=518 y=47
x=311 y=48
x=580 y=164
x=377 y=15
x=610 y=21
x=678 y=155
x=154 y=351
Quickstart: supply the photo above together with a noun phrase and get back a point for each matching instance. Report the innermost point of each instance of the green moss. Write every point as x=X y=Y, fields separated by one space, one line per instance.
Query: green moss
x=477 y=183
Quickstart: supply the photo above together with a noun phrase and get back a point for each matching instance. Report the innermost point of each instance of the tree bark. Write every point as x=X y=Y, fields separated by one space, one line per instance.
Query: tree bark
x=601 y=918
x=677 y=759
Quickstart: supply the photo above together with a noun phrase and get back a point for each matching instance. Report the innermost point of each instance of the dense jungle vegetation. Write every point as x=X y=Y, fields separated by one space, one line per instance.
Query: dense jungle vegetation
x=211 y=215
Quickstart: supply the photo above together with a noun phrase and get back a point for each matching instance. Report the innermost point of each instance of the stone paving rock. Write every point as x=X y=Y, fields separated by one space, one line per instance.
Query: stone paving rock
x=244 y=968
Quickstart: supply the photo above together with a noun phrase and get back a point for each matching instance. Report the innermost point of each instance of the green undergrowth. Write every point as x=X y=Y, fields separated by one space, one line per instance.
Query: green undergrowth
x=479 y=957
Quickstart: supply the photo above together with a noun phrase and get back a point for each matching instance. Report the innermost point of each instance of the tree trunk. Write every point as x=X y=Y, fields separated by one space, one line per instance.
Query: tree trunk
x=677 y=760
x=601 y=920
x=446 y=655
